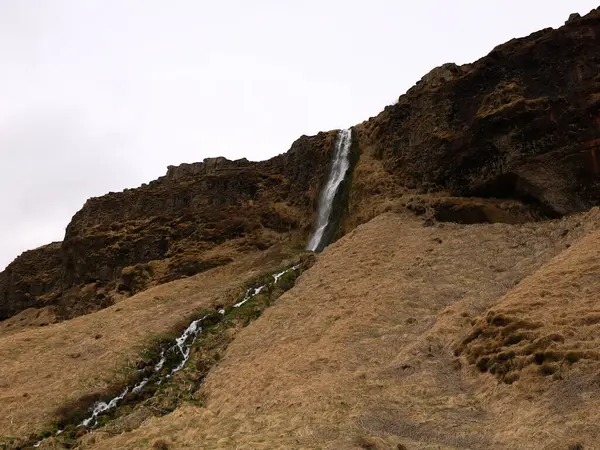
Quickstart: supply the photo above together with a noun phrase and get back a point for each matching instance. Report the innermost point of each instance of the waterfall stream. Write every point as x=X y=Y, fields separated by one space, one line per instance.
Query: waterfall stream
x=181 y=348
x=179 y=351
x=339 y=167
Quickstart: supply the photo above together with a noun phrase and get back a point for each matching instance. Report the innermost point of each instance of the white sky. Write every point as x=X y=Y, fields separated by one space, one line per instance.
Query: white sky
x=97 y=96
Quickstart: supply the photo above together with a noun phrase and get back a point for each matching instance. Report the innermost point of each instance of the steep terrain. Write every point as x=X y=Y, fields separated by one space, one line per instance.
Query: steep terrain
x=457 y=309
x=522 y=123
x=45 y=369
x=518 y=129
x=362 y=352
x=197 y=217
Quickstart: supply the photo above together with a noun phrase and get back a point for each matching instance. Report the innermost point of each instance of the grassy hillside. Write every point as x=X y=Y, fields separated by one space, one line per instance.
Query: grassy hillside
x=362 y=352
x=48 y=371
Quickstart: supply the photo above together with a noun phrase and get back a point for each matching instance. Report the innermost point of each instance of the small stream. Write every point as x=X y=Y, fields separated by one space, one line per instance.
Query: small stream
x=181 y=348
x=177 y=354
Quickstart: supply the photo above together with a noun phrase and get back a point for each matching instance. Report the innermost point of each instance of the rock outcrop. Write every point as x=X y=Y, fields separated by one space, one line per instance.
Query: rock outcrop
x=32 y=280
x=521 y=123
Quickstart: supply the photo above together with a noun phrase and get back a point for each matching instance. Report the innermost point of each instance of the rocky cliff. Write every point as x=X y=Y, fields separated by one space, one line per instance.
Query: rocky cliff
x=511 y=138
x=32 y=280
x=196 y=217
x=522 y=123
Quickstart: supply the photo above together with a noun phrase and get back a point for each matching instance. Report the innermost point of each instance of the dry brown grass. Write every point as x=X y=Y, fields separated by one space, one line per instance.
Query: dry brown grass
x=373 y=189
x=549 y=325
x=31 y=317
x=45 y=368
x=361 y=351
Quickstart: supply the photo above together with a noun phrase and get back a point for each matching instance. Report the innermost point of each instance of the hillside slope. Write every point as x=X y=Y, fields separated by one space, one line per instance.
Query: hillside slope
x=521 y=123
x=361 y=353
x=46 y=369
x=457 y=310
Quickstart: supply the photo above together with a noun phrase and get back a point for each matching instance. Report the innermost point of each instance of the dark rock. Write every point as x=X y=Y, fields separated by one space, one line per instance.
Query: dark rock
x=32 y=280
x=522 y=123
x=115 y=242
x=573 y=17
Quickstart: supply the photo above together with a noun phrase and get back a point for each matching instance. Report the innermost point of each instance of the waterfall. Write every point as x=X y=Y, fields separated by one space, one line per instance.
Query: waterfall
x=339 y=167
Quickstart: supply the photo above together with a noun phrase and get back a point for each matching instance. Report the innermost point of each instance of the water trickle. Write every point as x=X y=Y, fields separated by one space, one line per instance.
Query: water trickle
x=181 y=348
x=182 y=345
x=339 y=167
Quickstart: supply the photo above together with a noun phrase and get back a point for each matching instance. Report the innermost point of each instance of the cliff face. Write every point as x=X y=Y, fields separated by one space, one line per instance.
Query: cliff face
x=196 y=217
x=522 y=123
x=33 y=279
x=511 y=138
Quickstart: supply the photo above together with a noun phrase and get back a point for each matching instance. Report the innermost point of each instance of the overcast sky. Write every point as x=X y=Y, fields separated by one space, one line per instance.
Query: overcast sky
x=97 y=96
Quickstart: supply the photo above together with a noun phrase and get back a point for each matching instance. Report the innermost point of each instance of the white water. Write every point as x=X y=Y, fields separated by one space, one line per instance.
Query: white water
x=253 y=292
x=182 y=344
x=339 y=167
